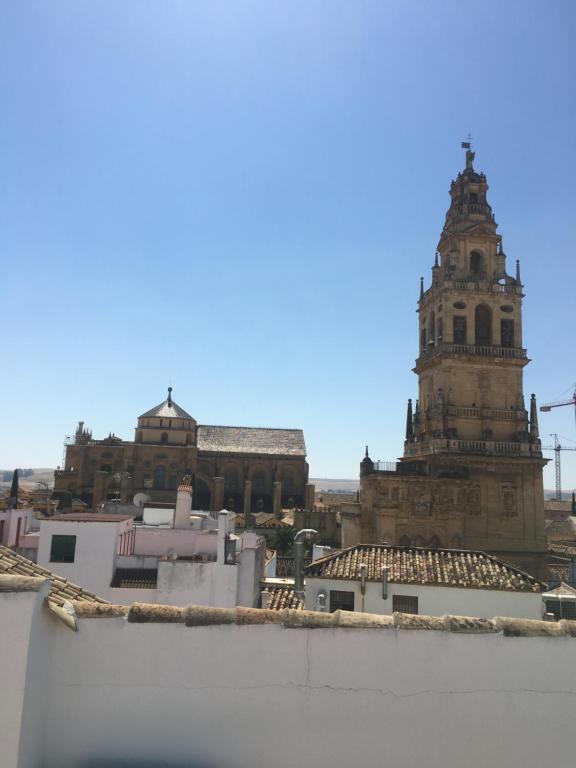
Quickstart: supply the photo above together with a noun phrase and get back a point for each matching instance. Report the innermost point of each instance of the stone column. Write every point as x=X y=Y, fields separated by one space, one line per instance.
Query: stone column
x=310 y=496
x=247 y=503
x=278 y=500
x=217 y=493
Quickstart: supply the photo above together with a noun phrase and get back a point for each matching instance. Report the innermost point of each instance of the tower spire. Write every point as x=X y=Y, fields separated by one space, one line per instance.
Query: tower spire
x=421 y=287
x=534 y=433
x=170 y=395
x=409 y=422
x=518 y=271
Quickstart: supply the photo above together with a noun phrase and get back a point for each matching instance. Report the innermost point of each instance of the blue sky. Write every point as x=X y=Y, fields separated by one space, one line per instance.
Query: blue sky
x=240 y=197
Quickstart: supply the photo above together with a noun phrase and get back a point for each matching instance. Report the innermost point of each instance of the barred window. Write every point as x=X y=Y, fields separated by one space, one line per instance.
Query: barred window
x=404 y=604
x=562 y=609
x=341 y=601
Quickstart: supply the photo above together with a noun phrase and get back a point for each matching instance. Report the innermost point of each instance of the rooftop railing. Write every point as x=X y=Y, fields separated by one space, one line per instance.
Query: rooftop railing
x=472 y=349
x=443 y=445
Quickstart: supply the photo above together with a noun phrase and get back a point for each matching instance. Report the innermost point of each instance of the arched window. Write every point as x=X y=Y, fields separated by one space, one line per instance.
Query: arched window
x=159 y=478
x=476 y=265
x=483 y=326
x=164 y=437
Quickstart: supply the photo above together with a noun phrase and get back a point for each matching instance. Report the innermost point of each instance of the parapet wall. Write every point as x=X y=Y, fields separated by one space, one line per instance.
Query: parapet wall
x=164 y=686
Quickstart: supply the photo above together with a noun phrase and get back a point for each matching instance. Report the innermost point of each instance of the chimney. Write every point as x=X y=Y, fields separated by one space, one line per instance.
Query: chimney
x=183 y=506
x=221 y=547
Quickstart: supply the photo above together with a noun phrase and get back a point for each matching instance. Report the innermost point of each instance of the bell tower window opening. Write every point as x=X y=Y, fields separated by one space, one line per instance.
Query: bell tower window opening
x=476 y=265
x=483 y=326
x=459 y=325
x=432 y=330
x=507 y=333
x=440 y=332
x=164 y=437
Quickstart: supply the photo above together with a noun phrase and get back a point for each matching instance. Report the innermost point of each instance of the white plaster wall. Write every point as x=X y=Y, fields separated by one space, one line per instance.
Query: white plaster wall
x=95 y=554
x=16 y=609
x=161 y=541
x=434 y=601
x=11 y=517
x=244 y=697
x=181 y=583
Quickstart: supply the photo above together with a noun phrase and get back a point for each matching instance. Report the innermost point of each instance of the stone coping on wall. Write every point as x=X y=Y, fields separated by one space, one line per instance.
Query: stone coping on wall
x=202 y=616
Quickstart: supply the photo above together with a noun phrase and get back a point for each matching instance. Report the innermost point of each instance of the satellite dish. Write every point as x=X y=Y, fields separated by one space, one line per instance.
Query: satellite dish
x=140 y=499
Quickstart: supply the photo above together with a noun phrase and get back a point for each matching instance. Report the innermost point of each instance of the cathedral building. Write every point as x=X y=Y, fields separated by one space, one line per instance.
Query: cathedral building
x=247 y=469
x=471 y=473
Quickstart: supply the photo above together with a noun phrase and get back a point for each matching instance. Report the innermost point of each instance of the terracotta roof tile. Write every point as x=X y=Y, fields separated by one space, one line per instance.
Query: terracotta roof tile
x=61 y=589
x=283 y=597
x=415 y=565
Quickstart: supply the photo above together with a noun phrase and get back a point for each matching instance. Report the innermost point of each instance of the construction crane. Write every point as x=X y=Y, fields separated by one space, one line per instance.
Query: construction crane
x=548 y=406
x=557 y=468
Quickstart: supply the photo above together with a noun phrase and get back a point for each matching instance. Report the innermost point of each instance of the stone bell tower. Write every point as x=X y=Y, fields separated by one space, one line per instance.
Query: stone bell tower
x=471 y=473
x=471 y=356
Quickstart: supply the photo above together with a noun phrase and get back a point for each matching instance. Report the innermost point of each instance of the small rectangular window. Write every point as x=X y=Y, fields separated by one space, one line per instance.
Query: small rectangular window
x=62 y=549
x=341 y=601
x=404 y=604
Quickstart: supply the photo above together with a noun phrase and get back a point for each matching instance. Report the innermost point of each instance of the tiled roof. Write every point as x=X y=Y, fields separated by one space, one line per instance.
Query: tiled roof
x=257 y=440
x=135 y=578
x=415 y=565
x=283 y=597
x=168 y=409
x=565 y=590
x=12 y=564
x=567 y=548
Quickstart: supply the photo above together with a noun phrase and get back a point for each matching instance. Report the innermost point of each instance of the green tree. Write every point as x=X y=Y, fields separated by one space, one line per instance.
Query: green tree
x=14 y=490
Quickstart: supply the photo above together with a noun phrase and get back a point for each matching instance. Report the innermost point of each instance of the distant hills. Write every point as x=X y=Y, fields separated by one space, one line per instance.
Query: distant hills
x=30 y=477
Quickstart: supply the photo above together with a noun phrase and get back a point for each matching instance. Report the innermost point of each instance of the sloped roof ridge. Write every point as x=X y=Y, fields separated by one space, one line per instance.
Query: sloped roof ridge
x=509 y=567
x=12 y=563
